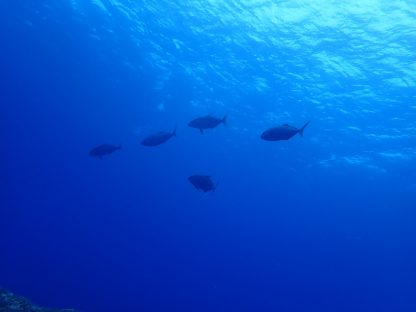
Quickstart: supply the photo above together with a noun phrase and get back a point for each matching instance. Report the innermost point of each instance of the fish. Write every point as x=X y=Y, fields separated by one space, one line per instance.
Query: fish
x=282 y=132
x=158 y=138
x=202 y=182
x=104 y=149
x=207 y=122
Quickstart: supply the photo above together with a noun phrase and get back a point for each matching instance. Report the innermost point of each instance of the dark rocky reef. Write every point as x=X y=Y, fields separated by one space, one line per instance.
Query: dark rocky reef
x=10 y=302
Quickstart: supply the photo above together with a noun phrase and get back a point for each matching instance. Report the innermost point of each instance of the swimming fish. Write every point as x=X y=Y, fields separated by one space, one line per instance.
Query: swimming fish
x=283 y=132
x=158 y=138
x=104 y=149
x=207 y=122
x=202 y=182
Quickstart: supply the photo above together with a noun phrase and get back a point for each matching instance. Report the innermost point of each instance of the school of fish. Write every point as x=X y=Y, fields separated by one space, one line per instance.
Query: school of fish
x=201 y=182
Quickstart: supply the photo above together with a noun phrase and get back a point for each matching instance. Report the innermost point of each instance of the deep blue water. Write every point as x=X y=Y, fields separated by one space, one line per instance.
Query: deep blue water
x=320 y=223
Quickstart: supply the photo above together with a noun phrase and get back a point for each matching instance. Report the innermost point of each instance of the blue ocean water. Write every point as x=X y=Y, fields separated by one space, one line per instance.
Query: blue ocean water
x=320 y=223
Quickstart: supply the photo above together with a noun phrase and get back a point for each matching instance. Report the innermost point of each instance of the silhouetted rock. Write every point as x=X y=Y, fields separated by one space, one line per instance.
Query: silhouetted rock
x=10 y=302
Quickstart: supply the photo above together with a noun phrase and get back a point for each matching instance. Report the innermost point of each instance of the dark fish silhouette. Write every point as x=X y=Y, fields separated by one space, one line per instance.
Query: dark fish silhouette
x=202 y=182
x=104 y=149
x=207 y=122
x=158 y=138
x=283 y=132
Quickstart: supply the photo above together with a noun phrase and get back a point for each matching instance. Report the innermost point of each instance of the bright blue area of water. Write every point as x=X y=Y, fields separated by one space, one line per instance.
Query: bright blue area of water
x=320 y=223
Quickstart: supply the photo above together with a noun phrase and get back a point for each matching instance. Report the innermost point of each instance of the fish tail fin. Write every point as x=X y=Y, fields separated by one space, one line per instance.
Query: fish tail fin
x=174 y=132
x=120 y=146
x=303 y=128
x=224 y=120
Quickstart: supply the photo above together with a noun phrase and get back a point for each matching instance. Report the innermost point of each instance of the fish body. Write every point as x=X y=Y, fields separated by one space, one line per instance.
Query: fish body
x=158 y=138
x=104 y=149
x=282 y=132
x=207 y=122
x=202 y=182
